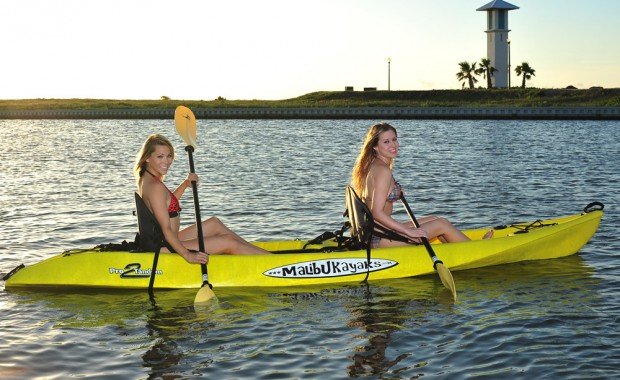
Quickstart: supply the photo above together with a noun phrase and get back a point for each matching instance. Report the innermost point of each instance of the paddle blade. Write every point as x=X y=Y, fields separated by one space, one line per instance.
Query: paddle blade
x=185 y=122
x=204 y=295
x=446 y=278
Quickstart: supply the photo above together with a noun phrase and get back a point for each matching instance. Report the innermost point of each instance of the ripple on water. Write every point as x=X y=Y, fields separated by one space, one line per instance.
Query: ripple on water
x=285 y=179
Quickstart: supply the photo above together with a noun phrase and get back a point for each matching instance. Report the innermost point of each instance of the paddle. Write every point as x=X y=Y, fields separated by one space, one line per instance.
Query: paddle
x=444 y=273
x=185 y=123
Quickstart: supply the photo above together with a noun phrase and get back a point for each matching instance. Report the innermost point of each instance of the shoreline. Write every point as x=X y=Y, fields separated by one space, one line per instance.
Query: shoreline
x=509 y=113
x=515 y=103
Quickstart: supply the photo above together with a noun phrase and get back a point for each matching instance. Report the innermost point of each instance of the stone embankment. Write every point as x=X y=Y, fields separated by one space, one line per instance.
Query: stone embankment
x=585 y=113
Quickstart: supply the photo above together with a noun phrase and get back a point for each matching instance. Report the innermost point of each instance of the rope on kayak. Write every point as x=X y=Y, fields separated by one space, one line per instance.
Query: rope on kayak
x=337 y=236
x=523 y=228
x=124 y=246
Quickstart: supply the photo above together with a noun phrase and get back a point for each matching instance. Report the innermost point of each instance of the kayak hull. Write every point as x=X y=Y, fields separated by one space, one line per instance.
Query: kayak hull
x=131 y=270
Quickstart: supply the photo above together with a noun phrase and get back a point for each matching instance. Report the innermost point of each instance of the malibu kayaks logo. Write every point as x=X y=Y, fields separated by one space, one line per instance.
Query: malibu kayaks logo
x=330 y=268
x=134 y=270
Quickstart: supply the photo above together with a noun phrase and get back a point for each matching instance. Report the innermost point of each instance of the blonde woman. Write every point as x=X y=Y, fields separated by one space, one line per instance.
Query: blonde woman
x=373 y=180
x=152 y=164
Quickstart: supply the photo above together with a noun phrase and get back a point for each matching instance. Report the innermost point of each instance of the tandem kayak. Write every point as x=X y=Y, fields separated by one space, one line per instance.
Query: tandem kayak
x=295 y=263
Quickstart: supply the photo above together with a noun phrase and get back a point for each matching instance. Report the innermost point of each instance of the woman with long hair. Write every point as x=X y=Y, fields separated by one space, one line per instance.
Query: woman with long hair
x=372 y=178
x=152 y=164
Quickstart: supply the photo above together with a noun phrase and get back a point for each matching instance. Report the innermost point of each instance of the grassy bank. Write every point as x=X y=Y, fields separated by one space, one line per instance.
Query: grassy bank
x=595 y=97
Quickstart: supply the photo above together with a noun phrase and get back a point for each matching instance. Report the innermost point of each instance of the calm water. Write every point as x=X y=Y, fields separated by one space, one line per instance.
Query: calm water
x=67 y=184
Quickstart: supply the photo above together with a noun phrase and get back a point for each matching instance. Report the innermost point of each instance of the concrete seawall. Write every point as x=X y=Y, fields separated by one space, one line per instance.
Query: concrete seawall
x=584 y=113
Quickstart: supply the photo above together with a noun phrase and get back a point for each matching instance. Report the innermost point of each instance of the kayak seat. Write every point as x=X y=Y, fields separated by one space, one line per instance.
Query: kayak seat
x=150 y=238
x=359 y=227
x=363 y=226
x=360 y=220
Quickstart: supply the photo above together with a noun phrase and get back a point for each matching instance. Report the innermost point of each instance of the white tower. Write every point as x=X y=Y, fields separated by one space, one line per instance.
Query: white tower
x=498 y=45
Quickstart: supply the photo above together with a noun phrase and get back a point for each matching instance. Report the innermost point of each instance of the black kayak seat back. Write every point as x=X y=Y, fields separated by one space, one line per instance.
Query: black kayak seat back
x=363 y=226
x=150 y=237
x=360 y=218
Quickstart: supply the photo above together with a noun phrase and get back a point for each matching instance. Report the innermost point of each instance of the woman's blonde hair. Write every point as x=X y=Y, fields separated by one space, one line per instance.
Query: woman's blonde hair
x=367 y=155
x=145 y=152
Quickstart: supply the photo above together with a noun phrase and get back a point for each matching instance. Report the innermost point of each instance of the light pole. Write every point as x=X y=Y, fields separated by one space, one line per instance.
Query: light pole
x=389 y=62
x=509 y=74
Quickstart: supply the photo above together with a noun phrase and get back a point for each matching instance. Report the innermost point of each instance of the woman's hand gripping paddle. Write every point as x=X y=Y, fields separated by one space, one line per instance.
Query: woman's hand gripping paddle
x=444 y=273
x=185 y=123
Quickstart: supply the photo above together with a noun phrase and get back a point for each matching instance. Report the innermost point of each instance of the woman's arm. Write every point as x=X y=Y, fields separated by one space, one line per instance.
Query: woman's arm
x=178 y=192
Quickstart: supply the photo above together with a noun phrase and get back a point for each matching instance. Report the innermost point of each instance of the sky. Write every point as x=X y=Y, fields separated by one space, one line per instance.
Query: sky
x=280 y=49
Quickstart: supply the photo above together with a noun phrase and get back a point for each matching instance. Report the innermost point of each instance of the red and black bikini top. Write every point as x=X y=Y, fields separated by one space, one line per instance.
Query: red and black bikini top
x=174 y=208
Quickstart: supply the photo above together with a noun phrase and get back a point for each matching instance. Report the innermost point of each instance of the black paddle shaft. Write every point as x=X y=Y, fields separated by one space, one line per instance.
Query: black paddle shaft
x=201 y=242
x=425 y=241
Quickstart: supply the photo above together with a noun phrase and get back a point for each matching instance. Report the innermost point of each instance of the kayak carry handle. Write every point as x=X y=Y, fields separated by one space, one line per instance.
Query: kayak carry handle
x=594 y=206
x=11 y=273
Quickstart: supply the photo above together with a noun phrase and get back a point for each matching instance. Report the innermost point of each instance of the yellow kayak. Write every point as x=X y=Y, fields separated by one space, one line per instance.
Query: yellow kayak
x=316 y=264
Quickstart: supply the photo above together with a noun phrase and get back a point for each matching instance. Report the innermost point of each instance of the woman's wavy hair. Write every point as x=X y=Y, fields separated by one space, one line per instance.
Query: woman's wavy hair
x=367 y=155
x=145 y=152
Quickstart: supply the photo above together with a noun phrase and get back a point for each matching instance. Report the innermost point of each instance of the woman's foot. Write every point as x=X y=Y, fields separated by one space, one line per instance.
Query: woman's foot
x=489 y=234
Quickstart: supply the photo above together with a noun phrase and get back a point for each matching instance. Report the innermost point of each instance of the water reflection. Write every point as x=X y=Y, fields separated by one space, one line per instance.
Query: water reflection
x=394 y=328
x=487 y=173
x=536 y=281
x=164 y=354
x=378 y=317
x=167 y=329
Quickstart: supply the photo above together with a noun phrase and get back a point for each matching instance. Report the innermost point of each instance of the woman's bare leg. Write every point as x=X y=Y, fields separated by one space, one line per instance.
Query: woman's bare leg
x=442 y=228
x=436 y=227
x=427 y=219
x=224 y=244
x=210 y=227
x=218 y=239
x=452 y=232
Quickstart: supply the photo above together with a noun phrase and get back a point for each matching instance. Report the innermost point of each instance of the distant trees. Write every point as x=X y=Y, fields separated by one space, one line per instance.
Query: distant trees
x=525 y=70
x=467 y=73
x=486 y=70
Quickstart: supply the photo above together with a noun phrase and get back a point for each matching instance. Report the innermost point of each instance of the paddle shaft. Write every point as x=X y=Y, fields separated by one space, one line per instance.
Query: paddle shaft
x=201 y=242
x=425 y=241
x=153 y=271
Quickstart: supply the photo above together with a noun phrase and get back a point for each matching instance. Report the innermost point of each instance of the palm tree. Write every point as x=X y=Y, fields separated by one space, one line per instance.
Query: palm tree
x=467 y=73
x=526 y=70
x=486 y=70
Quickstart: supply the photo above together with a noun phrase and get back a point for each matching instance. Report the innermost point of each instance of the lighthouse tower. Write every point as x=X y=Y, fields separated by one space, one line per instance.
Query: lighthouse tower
x=498 y=45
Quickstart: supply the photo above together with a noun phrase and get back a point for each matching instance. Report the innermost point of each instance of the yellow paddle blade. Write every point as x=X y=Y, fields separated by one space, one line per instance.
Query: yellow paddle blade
x=204 y=295
x=446 y=279
x=185 y=122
